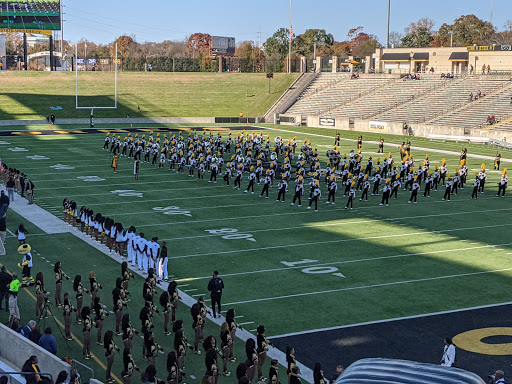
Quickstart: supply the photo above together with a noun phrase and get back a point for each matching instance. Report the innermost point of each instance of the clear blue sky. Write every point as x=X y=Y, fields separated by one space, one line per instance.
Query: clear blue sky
x=104 y=20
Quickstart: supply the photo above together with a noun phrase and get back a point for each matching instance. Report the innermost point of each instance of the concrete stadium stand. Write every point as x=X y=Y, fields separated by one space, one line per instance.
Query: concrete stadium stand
x=16 y=349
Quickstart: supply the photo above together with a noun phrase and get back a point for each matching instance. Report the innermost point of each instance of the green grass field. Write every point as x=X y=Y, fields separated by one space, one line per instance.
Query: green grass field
x=285 y=267
x=29 y=95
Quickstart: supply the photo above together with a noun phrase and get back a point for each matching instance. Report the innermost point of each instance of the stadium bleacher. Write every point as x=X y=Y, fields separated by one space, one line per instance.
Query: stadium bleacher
x=432 y=100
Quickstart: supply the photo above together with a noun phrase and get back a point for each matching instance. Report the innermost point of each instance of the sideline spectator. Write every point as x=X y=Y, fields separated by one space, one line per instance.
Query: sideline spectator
x=35 y=335
x=318 y=374
x=48 y=341
x=4 y=380
x=448 y=353
x=5 y=280
x=31 y=366
x=61 y=379
x=10 y=188
x=339 y=371
x=30 y=191
x=499 y=377
x=25 y=330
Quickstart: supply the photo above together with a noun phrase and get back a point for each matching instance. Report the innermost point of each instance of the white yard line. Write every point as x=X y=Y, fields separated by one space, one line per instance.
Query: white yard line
x=320 y=225
x=97 y=185
x=168 y=190
x=346 y=262
x=389 y=320
x=51 y=224
x=368 y=286
x=336 y=241
x=452 y=153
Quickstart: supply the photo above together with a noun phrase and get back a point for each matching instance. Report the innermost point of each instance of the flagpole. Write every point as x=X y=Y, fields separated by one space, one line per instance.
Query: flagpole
x=290 y=42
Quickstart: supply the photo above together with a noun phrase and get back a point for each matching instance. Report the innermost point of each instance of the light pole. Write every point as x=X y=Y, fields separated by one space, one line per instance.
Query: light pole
x=290 y=42
x=492 y=3
x=387 y=29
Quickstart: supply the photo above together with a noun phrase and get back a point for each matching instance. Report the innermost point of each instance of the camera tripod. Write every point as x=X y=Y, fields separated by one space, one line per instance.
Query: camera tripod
x=44 y=313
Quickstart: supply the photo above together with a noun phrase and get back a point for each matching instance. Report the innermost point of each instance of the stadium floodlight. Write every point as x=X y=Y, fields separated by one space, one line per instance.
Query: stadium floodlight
x=387 y=28
x=76 y=84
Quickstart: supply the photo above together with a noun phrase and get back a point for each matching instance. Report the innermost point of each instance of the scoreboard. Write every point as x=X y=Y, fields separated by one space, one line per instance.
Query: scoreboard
x=30 y=16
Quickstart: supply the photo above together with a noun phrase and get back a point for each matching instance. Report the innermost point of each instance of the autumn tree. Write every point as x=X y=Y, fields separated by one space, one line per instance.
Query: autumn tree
x=125 y=46
x=198 y=44
x=361 y=43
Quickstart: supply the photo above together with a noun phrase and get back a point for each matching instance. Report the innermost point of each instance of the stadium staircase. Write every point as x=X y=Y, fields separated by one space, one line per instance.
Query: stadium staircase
x=290 y=96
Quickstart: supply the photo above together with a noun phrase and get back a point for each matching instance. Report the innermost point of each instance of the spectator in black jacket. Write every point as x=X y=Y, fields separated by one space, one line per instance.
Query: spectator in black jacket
x=35 y=335
x=215 y=286
x=5 y=280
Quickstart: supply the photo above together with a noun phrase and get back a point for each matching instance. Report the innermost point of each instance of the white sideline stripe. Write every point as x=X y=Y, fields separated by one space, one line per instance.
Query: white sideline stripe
x=247 y=323
x=422 y=149
x=154 y=190
x=35 y=214
x=389 y=320
x=336 y=241
x=238 y=317
x=320 y=225
x=346 y=262
x=369 y=286
x=190 y=290
x=198 y=295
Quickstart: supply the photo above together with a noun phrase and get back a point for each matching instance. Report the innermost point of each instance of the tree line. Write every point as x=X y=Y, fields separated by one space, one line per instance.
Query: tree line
x=193 y=54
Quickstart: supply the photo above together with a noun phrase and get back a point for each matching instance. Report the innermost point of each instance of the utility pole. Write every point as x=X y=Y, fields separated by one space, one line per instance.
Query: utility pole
x=387 y=29
x=492 y=3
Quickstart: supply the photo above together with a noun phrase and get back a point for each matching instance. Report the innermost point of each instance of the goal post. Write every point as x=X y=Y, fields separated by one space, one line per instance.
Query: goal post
x=76 y=84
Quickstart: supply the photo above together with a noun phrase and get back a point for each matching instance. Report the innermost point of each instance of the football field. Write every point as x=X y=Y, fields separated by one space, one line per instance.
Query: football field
x=291 y=269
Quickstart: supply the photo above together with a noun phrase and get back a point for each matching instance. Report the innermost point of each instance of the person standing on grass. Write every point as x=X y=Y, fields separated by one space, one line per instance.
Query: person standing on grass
x=163 y=274
x=59 y=276
x=215 y=286
x=5 y=280
x=503 y=184
x=10 y=188
x=448 y=190
x=79 y=289
x=68 y=310
x=262 y=347
x=114 y=164
x=476 y=186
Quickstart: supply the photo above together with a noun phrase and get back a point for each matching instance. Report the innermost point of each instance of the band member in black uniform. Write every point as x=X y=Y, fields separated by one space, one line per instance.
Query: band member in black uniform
x=79 y=289
x=262 y=349
x=86 y=318
x=266 y=185
x=197 y=323
x=174 y=374
x=476 y=187
x=497 y=162
x=386 y=193
x=337 y=140
x=128 y=366
x=174 y=297
x=381 y=146
x=59 y=276
x=252 y=358
x=118 y=304
x=68 y=309
x=128 y=331
x=101 y=314
x=273 y=373
x=110 y=348
x=226 y=344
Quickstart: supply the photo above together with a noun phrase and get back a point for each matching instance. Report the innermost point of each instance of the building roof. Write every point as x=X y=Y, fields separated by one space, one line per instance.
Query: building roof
x=396 y=57
x=459 y=56
x=421 y=56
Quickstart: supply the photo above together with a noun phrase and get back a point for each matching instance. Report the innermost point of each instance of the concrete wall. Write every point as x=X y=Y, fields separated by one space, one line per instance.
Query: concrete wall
x=421 y=130
x=15 y=349
x=142 y=120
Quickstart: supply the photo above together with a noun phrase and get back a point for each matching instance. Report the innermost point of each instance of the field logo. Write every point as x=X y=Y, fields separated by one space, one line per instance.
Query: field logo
x=314 y=270
x=127 y=193
x=90 y=178
x=62 y=167
x=231 y=234
x=173 y=211
x=37 y=157
x=474 y=341
x=18 y=149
